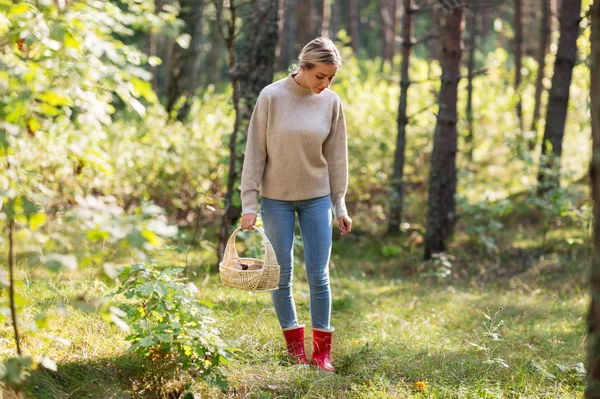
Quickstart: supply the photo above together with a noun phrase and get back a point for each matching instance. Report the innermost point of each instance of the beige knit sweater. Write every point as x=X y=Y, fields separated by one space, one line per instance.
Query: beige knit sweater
x=296 y=147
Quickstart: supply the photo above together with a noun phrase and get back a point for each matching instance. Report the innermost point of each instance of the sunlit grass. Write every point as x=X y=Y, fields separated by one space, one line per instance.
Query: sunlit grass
x=391 y=333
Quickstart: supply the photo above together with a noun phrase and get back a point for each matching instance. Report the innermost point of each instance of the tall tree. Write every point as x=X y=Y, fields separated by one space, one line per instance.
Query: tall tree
x=518 y=26
x=442 y=181
x=542 y=51
x=354 y=23
x=287 y=43
x=408 y=41
x=336 y=18
x=326 y=24
x=184 y=74
x=280 y=62
x=531 y=25
x=316 y=19
x=214 y=57
x=304 y=23
x=473 y=29
x=593 y=369
x=556 y=115
x=387 y=10
x=248 y=77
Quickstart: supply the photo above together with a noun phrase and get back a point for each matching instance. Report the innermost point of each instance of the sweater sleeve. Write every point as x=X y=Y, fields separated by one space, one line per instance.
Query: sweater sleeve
x=255 y=157
x=335 y=150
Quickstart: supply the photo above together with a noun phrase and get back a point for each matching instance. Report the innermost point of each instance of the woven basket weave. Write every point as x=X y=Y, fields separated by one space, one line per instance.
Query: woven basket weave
x=248 y=273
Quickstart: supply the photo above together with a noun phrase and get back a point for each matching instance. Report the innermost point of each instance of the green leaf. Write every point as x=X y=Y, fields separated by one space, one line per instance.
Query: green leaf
x=54 y=99
x=56 y=262
x=161 y=289
x=136 y=239
x=152 y=238
x=37 y=220
x=145 y=289
x=20 y=8
x=147 y=341
x=97 y=235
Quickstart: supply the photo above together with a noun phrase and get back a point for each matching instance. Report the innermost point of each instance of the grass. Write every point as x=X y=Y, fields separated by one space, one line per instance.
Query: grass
x=395 y=325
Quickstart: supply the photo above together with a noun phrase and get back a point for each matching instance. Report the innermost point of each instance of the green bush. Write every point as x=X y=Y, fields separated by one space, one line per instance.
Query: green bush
x=169 y=324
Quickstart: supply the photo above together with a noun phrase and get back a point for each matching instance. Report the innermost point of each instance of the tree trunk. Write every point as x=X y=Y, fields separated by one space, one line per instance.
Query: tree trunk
x=184 y=75
x=252 y=74
x=288 y=42
x=303 y=18
x=530 y=25
x=473 y=33
x=518 y=26
x=593 y=369
x=354 y=19
x=487 y=19
x=387 y=10
x=435 y=26
x=281 y=36
x=214 y=58
x=397 y=198
x=556 y=115
x=153 y=48
x=316 y=21
x=542 y=52
x=336 y=18
x=441 y=211
x=325 y=25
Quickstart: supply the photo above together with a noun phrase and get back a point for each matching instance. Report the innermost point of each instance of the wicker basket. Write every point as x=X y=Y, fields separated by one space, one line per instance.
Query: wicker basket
x=247 y=273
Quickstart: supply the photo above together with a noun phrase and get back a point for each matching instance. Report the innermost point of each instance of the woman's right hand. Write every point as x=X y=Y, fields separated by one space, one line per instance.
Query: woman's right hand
x=248 y=221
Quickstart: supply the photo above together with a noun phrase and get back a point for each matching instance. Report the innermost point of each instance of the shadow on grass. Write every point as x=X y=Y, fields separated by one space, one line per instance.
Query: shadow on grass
x=125 y=376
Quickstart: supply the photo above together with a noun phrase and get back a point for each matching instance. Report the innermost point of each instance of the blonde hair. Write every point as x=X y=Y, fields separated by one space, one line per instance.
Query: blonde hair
x=319 y=51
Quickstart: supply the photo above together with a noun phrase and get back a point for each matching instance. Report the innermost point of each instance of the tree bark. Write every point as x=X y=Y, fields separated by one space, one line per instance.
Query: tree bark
x=556 y=115
x=354 y=19
x=472 y=23
x=326 y=23
x=435 y=25
x=303 y=14
x=387 y=10
x=441 y=211
x=249 y=77
x=11 y=288
x=316 y=20
x=542 y=52
x=518 y=26
x=487 y=19
x=530 y=25
x=593 y=320
x=184 y=74
x=290 y=32
x=281 y=36
x=397 y=198
x=336 y=18
x=214 y=58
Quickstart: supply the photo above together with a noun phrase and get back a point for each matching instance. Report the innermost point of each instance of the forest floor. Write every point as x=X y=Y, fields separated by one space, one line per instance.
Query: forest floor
x=503 y=325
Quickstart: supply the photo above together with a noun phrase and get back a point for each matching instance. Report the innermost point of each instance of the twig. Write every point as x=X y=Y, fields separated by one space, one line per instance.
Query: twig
x=421 y=110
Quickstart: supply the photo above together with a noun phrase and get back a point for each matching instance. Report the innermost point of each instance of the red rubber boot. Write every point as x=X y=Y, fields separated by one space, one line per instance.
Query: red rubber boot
x=322 y=350
x=294 y=337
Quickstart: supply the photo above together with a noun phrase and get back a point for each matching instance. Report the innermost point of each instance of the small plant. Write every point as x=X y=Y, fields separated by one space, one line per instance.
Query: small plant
x=489 y=338
x=169 y=324
x=481 y=221
x=440 y=266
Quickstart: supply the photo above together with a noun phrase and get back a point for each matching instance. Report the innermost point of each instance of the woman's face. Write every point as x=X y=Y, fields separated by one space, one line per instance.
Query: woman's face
x=320 y=77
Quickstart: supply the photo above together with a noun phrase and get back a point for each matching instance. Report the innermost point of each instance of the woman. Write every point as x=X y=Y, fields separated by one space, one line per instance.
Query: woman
x=297 y=153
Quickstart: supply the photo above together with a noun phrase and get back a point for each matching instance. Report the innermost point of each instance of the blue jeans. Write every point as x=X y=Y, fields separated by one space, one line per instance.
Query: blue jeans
x=315 y=219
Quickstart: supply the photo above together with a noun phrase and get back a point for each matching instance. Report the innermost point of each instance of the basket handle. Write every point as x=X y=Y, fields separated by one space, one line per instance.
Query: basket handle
x=231 y=253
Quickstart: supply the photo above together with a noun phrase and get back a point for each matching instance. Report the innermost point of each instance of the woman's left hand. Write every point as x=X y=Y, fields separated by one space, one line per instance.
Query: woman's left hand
x=345 y=224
